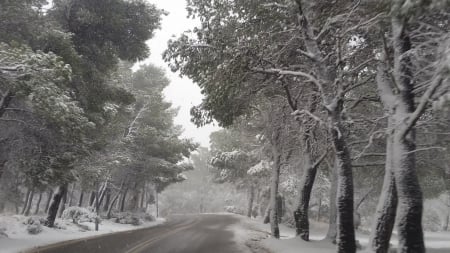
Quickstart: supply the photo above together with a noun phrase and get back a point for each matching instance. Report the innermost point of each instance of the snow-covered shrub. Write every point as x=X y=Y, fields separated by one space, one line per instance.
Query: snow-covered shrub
x=79 y=214
x=129 y=218
x=34 y=220
x=3 y=233
x=34 y=224
x=148 y=217
x=34 y=229
x=234 y=209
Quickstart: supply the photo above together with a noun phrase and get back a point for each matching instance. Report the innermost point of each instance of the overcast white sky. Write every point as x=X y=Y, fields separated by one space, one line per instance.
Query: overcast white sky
x=181 y=92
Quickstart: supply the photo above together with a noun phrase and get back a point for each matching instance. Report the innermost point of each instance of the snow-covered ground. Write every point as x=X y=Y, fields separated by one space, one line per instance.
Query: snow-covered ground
x=19 y=240
x=259 y=239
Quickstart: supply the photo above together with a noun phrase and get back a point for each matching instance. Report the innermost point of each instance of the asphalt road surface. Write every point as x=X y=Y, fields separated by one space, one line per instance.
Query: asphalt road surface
x=181 y=234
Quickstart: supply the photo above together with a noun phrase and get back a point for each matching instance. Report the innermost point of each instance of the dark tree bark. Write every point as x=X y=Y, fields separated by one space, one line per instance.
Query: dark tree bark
x=274 y=215
x=80 y=199
x=410 y=199
x=53 y=209
x=107 y=200
x=306 y=185
x=71 y=196
x=38 y=204
x=332 y=228
x=97 y=209
x=111 y=206
x=102 y=195
x=122 y=201
x=346 y=230
x=49 y=198
x=267 y=215
x=25 y=202
x=29 y=204
x=319 y=210
x=63 y=203
x=156 y=201
x=92 y=198
x=387 y=204
x=143 y=192
x=251 y=197
x=134 y=201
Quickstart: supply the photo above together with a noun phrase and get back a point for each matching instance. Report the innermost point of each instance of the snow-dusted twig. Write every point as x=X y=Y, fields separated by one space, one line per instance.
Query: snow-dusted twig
x=426 y=149
x=283 y=72
x=310 y=114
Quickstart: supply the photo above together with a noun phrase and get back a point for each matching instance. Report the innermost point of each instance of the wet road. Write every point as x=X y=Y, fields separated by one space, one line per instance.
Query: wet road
x=181 y=234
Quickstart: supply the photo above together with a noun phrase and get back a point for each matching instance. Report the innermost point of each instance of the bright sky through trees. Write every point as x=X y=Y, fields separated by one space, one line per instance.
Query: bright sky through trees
x=181 y=92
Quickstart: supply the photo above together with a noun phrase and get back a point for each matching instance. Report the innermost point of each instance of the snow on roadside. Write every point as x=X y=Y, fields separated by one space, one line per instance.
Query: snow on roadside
x=256 y=235
x=19 y=240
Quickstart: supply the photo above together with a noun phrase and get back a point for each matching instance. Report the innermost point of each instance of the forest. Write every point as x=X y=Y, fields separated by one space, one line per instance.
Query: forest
x=340 y=106
x=79 y=127
x=333 y=112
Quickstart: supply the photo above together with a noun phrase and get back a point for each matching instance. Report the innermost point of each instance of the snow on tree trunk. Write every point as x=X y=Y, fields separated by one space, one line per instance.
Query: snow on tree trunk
x=29 y=204
x=71 y=194
x=345 y=225
x=275 y=231
x=410 y=200
x=63 y=203
x=107 y=200
x=91 y=198
x=332 y=220
x=251 y=197
x=387 y=204
x=80 y=199
x=267 y=215
x=49 y=199
x=122 y=201
x=306 y=185
x=25 y=202
x=38 y=204
x=53 y=209
x=111 y=206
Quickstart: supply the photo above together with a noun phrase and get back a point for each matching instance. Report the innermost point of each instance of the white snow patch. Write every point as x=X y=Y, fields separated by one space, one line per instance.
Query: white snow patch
x=19 y=240
x=249 y=229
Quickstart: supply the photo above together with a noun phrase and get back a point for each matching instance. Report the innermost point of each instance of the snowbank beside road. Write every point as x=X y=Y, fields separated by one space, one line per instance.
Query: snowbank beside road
x=19 y=240
x=256 y=235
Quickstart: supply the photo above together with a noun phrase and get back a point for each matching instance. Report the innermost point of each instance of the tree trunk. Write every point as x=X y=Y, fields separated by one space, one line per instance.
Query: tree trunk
x=387 y=204
x=143 y=195
x=36 y=211
x=446 y=221
x=251 y=197
x=49 y=198
x=410 y=200
x=267 y=215
x=5 y=100
x=71 y=194
x=92 y=198
x=25 y=202
x=111 y=206
x=97 y=209
x=80 y=199
x=332 y=220
x=156 y=201
x=134 y=201
x=275 y=230
x=63 y=204
x=29 y=204
x=346 y=231
x=319 y=209
x=53 y=209
x=102 y=196
x=122 y=201
x=107 y=200
x=306 y=185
